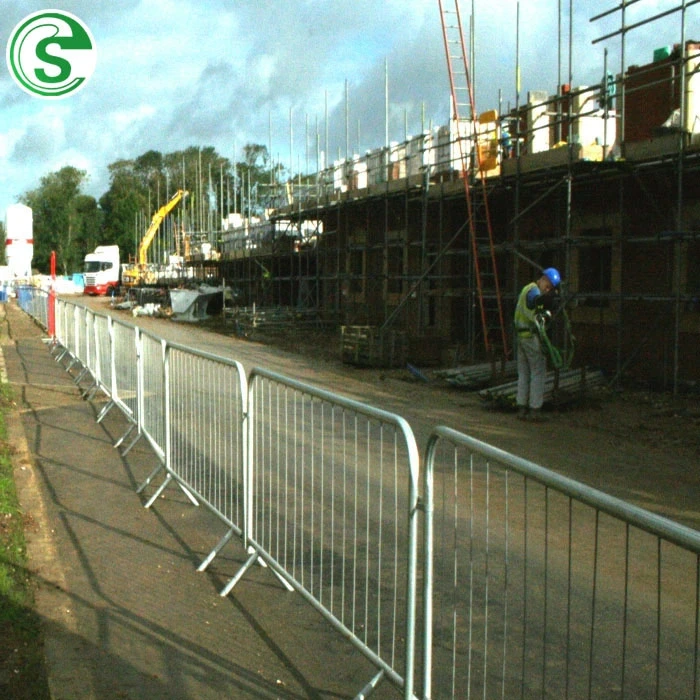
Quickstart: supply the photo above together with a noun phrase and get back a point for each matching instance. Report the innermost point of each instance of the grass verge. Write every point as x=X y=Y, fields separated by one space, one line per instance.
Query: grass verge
x=22 y=670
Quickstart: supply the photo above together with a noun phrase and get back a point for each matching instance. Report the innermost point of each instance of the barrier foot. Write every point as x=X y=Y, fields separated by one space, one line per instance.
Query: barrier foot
x=125 y=436
x=283 y=581
x=149 y=478
x=220 y=545
x=227 y=588
x=90 y=392
x=369 y=688
x=80 y=376
x=132 y=443
x=159 y=490
x=189 y=495
x=105 y=410
x=281 y=578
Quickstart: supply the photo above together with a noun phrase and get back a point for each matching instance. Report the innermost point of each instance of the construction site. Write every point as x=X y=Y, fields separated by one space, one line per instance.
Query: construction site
x=431 y=547
x=415 y=252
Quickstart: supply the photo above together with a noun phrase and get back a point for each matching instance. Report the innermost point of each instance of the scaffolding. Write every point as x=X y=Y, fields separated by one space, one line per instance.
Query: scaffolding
x=585 y=180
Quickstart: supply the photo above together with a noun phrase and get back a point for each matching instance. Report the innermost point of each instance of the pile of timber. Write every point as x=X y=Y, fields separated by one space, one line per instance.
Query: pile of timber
x=560 y=386
x=477 y=376
x=272 y=318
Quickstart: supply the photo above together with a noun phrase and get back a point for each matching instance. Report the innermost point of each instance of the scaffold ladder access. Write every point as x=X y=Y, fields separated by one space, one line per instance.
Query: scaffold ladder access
x=479 y=220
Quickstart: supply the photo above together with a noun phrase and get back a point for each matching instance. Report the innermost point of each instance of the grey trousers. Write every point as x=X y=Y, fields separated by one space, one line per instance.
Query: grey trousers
x=532 y=367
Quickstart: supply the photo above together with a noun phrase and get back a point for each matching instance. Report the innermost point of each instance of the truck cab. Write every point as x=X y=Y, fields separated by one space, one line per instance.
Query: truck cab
x=101 y=270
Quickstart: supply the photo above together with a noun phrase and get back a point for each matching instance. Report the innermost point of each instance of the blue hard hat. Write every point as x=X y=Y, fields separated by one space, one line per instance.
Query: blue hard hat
x=552 y=274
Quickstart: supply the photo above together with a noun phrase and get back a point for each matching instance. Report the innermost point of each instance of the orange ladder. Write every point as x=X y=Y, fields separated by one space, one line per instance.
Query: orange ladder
x=479 y=219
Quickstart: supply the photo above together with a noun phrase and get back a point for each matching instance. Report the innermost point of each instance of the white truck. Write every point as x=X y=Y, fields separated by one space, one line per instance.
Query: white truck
x=101 y=270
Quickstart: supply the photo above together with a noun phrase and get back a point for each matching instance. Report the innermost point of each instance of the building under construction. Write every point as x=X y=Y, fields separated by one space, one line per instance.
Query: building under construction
x=422 y=246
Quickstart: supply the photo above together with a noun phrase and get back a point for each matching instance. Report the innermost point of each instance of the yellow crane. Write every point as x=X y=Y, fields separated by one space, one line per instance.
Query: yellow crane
x=137 y=273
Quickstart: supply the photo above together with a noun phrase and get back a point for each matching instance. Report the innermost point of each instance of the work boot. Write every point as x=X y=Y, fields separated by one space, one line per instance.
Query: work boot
x=522 y=412
x=536 y=415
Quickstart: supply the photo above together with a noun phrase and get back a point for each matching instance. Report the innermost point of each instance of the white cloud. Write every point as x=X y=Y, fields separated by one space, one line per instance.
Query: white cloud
x=124 y=119
x=177 y=73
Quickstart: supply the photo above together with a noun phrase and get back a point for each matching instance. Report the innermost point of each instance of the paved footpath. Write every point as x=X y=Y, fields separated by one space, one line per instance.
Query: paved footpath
x=126 y=613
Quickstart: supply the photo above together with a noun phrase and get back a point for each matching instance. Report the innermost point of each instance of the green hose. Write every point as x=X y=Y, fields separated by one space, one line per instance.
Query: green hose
x=559 y=359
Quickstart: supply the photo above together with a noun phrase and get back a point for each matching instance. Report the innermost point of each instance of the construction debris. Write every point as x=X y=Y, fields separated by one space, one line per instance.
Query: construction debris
x=196 y=304
x=477 y=376
x=250 y=318
x=560 y=387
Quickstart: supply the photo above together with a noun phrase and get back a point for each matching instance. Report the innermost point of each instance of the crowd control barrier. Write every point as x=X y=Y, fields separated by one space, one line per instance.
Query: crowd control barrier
x=333 y=502
x=532 y=585
x=321 y=489
x=539 y=586
x=34 y=302
x=204 y=431
x=124 y=392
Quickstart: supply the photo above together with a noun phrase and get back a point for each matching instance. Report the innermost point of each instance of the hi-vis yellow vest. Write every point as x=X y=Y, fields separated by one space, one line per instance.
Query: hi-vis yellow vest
x=524 y=317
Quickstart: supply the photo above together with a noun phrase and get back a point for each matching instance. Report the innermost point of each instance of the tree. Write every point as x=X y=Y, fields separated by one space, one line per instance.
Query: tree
x=149 y=166
x=207 y=177
x=72 y=223
x=125 y=205
x=63 y=219
x=254 y=152
x=89 y=219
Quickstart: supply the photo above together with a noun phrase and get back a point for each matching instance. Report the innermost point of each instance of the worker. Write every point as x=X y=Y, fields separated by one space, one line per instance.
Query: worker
x=536 y=298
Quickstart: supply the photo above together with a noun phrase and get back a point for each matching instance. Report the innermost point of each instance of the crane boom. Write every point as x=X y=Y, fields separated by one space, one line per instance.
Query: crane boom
x=134 y=274
x=156 y=221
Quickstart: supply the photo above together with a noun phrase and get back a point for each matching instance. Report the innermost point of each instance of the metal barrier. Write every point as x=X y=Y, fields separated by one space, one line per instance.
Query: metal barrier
x=72 y=336
x=152 y=386
x=534 y=585
x=206 y=399
x=34 y=301
x=322 y=489
x=538 y=586
x=64 y=329
x=332 y=507
x=99 y=349
x=124 y=362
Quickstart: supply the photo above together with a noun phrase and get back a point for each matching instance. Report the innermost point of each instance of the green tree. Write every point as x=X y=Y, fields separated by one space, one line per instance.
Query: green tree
x=207 y=176
x=64 y=219
x=149 y=167
x=125 y=205
x=72 y=223
x=89 y=223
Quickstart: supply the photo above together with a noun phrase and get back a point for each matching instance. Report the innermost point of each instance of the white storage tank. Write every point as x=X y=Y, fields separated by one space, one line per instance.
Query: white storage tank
x=19 y=240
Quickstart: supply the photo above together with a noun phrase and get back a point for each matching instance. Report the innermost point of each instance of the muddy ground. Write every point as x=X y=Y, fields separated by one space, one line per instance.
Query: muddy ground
x=635 y=444
x=638 y=444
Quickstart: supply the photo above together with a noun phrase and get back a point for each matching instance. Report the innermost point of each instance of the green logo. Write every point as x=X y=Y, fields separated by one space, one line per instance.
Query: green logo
x=51 y=53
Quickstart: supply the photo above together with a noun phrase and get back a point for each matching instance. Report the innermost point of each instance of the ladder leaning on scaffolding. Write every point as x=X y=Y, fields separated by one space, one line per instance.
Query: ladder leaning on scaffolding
x=478 y=216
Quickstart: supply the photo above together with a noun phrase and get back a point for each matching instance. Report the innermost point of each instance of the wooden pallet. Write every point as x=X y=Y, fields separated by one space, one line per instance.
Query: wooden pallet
x=368 y=346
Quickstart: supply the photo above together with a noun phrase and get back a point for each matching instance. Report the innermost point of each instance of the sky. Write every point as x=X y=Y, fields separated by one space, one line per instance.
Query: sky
x=295 y=75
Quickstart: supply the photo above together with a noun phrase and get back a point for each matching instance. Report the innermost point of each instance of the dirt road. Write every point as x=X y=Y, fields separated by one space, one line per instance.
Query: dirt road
x=107 y=638
x=636 y=445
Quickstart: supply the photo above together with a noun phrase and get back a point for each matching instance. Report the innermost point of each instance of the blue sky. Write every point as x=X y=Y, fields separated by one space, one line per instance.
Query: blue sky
x=177 y=73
